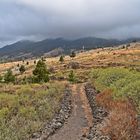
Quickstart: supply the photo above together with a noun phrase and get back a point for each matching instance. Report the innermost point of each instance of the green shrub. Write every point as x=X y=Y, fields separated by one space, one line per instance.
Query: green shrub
x=61 y=59
x=27 y=108
x=73 y=54
x=22 y=69
x=1 y=78
x=132 y=90
x=27 y=63
x=106 y=77
x=9 y=77
x=34 y=61
x=123 y=82
x=27 y=112
x=7 y=100
x=72 y=77
x=25 y=90
x=4 y=112
x=95 y=73
x=40 y=73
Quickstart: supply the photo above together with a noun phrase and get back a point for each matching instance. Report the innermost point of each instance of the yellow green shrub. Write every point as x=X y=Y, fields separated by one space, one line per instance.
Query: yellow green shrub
x=25 y=109
x=123 y=82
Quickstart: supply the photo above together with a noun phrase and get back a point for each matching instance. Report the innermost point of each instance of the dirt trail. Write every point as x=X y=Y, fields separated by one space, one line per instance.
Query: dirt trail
x=80 y=119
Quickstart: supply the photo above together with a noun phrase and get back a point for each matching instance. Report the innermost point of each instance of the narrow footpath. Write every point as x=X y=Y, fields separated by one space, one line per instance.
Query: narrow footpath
x=80 y=120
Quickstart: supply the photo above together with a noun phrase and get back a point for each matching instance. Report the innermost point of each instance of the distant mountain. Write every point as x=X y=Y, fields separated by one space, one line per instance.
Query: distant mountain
x=28 y=49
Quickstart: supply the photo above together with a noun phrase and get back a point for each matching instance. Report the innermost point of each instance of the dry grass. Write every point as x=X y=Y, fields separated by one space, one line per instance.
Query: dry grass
x=121 y=123
x=90 y=59
x=25 y=109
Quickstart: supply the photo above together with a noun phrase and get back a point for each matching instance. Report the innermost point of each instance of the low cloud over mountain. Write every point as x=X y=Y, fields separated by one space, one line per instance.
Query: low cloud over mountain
x=39 y=19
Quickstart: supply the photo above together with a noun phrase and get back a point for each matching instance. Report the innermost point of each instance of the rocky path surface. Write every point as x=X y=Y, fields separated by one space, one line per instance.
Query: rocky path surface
x=80 y=121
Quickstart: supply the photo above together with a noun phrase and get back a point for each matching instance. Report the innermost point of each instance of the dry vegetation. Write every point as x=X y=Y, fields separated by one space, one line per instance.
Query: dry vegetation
x=123 y=82
x=24 y=105
x=121 y=123
x=116 y=57
x=24 y=109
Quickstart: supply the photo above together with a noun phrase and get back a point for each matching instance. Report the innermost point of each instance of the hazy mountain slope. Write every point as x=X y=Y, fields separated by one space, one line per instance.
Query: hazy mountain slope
x=26 y=49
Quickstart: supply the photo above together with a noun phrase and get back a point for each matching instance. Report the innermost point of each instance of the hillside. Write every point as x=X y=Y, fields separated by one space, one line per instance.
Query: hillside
x=105 y=86
x=28 y=49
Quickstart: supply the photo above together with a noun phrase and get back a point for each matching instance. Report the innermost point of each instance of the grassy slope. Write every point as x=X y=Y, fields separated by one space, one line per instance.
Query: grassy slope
x=24 y=109
x=124 y=83
x=18 y=108
x=91 y=59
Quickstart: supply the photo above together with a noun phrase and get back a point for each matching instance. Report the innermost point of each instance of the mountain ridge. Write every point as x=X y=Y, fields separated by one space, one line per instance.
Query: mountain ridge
x=27 y=49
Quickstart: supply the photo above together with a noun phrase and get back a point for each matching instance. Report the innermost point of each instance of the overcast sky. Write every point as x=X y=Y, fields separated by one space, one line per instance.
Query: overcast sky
x=38 y=19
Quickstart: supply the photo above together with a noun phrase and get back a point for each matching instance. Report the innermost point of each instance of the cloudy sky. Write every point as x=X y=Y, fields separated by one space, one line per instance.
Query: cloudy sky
x=38 y=19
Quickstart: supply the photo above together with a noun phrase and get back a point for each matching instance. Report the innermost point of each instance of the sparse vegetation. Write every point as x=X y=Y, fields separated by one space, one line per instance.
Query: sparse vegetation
x=124 y=83
x=22 y=69
x=9 y=77
x=24 y=109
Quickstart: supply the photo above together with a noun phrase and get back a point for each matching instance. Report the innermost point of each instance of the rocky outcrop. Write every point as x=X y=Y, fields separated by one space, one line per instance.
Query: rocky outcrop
x=59 y=119
x=98 y=115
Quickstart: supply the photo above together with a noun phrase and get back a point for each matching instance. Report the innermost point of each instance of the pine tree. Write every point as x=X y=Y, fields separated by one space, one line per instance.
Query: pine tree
x=27 y=63
x=73 y=54
x=34 y=61
x=9 y=77
x=22 y=69
x=61 y=59
x=41 y=73
x=17 y=65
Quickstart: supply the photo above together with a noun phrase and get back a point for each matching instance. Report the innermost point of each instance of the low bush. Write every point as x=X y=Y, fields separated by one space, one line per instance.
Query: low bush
x=26 y=108
x=106 y=77
x=120 y=95
x=72 y=77
x=123 y=83
x=132 y=91
x=9 y=77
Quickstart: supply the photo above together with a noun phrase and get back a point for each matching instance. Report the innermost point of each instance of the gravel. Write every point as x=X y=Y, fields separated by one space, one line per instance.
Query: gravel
x=98 y=115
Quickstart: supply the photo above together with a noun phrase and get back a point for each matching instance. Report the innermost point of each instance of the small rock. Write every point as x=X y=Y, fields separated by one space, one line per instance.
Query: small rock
x=35 y=135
